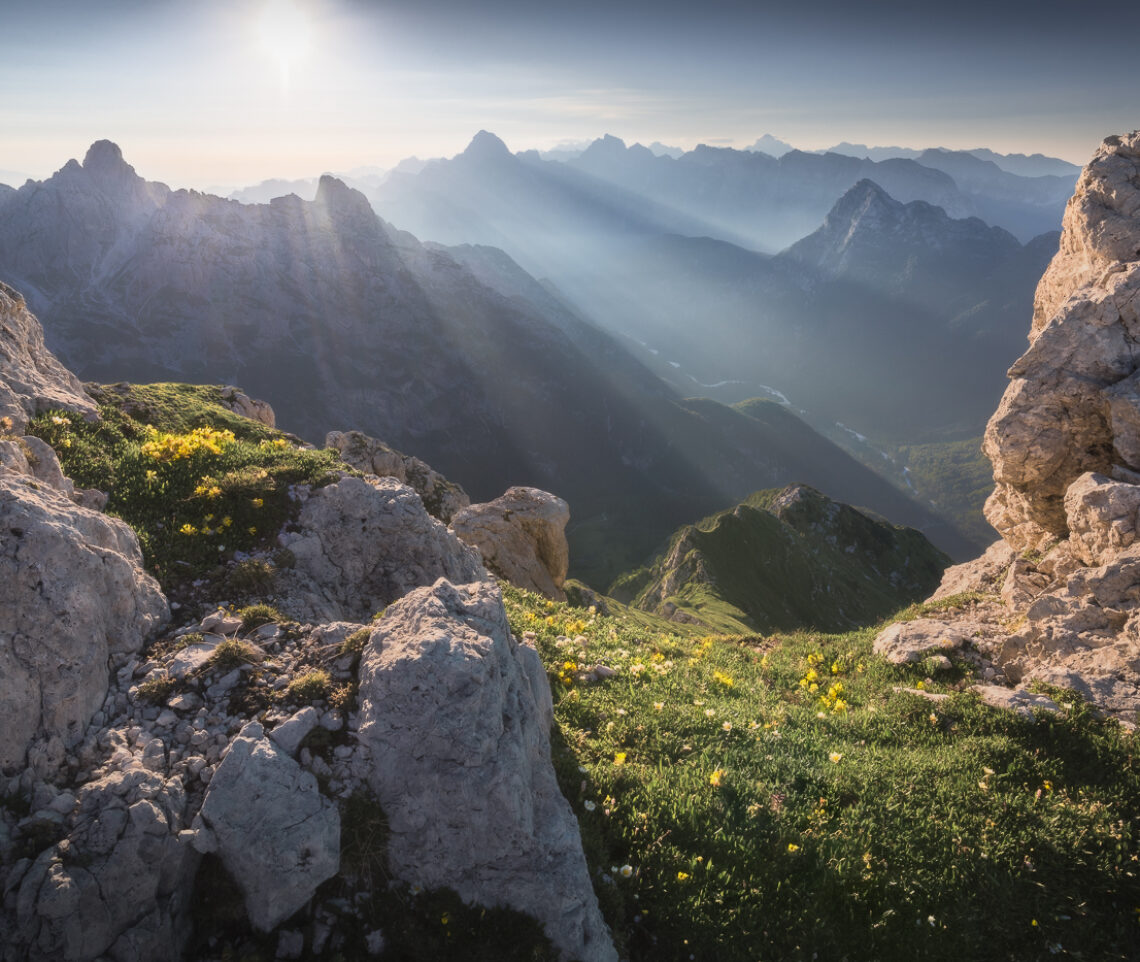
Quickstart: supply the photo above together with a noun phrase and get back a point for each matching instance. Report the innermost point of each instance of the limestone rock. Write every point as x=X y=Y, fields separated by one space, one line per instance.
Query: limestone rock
x=1015 y=699
x=1102 y=517
x=31 y=379
x=910 y=641
x=522 y=537
x=1100 y=229
x=72 y=594
x=273 y=830
x=117 y=886
x=441 y=498
x=982 y=574
x=363 y=544
x=241 y=403
x=1074 y=388
x=460 y=761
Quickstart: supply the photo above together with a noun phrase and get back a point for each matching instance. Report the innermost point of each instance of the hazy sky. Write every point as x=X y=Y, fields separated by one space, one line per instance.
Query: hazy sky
x=204 y=93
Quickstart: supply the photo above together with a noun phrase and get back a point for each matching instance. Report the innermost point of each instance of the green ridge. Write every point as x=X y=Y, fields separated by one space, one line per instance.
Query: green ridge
x=785 y=559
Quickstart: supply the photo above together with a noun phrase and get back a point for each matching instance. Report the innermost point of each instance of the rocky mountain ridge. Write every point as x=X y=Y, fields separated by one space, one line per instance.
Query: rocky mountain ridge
x=712 y=316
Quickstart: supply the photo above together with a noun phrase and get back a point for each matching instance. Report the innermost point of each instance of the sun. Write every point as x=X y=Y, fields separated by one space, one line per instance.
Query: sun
x=284 y=30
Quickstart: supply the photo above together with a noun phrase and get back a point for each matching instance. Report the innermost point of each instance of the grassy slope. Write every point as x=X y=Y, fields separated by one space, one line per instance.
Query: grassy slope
x=194 y=508
x=826 y=566
x=761 y=819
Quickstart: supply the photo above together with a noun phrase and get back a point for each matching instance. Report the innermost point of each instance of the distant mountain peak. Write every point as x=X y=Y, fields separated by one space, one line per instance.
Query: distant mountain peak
x=104 y=161
x=486 y=146
x=863 y=196
x=609 y=142
x=335 y=195
x=772 y=146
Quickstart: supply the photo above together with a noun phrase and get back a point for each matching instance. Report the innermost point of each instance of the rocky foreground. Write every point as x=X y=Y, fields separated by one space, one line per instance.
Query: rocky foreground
x=1059 y=595
x=389 y=683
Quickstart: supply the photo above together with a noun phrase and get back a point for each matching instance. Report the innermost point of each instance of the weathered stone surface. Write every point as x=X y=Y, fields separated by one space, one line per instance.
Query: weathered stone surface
x=118 y=886
x=1015 y=699
x=1074 y=386
x=522 y=537
x=31 y=379
x=241 y=403
x=72 y=594
x=363 y=544
x=982 y=574
x=1101 y=516
x=1100 y=226
x=909 y=641
x=273 y=830
x=290 y=733
x=460 y=761
x=441 y=498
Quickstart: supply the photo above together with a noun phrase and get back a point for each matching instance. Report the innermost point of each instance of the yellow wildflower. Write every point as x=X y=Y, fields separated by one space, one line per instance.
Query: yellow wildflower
x=619 y=758
x=681 y=876
x=258 y=503
x=835 y=757
x=716 y=778
x=793 y=847
x=188 y=529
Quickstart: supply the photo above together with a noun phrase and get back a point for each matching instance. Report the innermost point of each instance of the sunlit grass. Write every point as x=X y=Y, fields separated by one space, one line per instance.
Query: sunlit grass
x=776 y=798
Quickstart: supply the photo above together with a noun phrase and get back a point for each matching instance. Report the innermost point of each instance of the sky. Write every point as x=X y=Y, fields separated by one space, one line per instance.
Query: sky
x=217 y=94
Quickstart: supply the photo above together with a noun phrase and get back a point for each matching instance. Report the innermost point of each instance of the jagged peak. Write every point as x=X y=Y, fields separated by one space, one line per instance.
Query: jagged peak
x=863 y=197
x=336 y=195
x=104 y=160
x=486 y=146
x=607 y=144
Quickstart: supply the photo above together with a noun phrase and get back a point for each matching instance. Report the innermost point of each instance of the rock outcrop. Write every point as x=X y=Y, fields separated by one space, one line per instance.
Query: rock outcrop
x=522 y=538
x=73 y=596
x=441 y=498
x=1059 y=596
x=362 y=544
x=455 y=718
x=1072 y=404
x=31 y=379
x=236 y=400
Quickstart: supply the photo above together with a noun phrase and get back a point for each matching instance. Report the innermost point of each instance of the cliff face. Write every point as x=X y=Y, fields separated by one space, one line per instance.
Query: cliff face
x=1073 y=405
x=1061 y=591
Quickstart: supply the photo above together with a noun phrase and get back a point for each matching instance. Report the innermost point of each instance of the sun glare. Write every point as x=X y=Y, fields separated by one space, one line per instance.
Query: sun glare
x=284 y=31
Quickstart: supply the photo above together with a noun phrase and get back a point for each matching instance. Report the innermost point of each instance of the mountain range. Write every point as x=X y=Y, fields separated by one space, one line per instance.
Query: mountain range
x=712 y=316
x=342 y=321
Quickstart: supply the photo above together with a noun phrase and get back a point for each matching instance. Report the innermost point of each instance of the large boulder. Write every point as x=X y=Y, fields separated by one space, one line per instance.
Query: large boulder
x=361 y=544
x=522 y=537
x=265 y=817
x=73 y=594
x=31 y=379
x=455 y=717
x=1072 y=405
x=442 y=498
